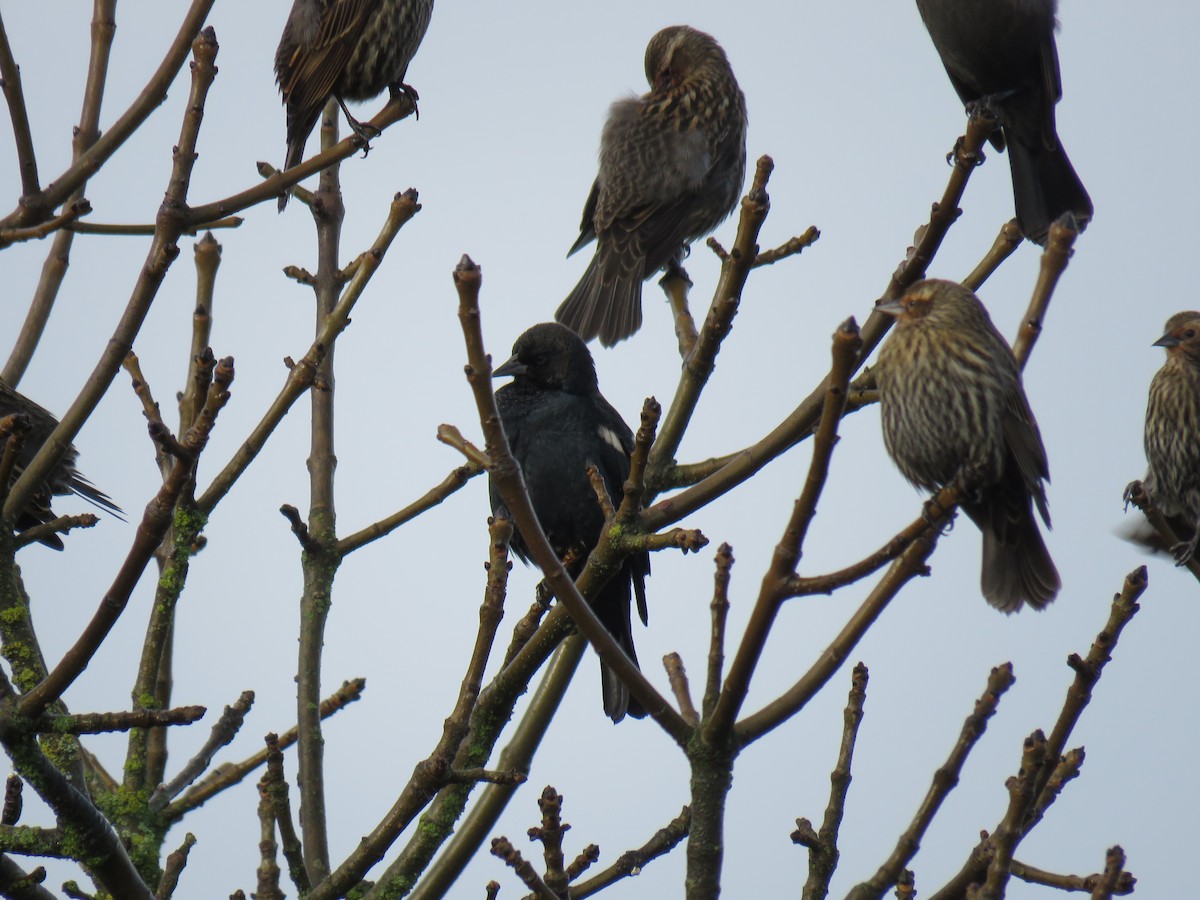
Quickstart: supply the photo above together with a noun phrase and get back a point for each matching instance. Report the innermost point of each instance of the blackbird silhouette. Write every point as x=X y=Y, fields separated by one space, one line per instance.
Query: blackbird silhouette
x=1172 y=436
x=346 y=49
x=557 y=424
x=63 y=479
x=672 y=164
x=1004 y=51
x=953 y=408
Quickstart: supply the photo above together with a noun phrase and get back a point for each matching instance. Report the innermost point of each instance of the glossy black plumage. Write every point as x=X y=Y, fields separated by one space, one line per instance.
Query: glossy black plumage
x=348 y=49
x=952 y=407
x=63 y=479
x=557 y=424
x=671 y=168
x=1172 y=435
x=1004 y=50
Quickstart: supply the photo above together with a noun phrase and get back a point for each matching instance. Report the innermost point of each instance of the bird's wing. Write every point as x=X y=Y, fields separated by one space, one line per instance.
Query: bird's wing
x=587 y=231
x=1052 y=85
x=650 y=176
x=1025 y=445
x=616 y=444
x=315 y=65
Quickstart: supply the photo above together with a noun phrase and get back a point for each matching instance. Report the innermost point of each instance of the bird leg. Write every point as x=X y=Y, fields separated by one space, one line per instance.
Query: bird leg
x=400 y=89
x=674 y=267
x=931 y=511
x=1185 y=550
x=364 y=130
x=989 y=105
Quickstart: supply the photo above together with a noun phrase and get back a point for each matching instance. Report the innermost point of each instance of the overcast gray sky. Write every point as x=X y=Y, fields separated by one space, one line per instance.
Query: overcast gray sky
x=854 y=106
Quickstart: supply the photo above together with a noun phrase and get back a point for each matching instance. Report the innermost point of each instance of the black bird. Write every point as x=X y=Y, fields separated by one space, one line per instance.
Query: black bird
x=63 y=479
x=672 y=164
x=1004 y=51
x=346 y=49
x=557 y=424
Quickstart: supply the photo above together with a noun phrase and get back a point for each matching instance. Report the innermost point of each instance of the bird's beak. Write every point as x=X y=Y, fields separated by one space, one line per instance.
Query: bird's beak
x=890 y=308
x=512 y=366
x=1167 y=340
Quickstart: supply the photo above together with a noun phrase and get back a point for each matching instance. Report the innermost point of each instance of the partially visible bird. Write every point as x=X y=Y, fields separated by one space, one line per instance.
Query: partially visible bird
x=953 y=407
x=1004 y=50
x=1172 y=435
x=672 y=164
x=63 y=479
x=346 y=49
x=557 y=424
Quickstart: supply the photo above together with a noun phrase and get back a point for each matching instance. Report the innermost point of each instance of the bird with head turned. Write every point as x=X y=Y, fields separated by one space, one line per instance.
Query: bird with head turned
x=558 y=424
x=345 y=49
x=1172 y=434
x=671 y=168
x=953 y=409
x=1003 y=51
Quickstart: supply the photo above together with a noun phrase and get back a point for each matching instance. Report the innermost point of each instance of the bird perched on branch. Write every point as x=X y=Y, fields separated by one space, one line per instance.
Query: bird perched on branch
x=953 y=408
x=63 y=479
x=1172 y=435
x=672 y=164
x=345 y=49
x=1004 y=51
x=557 y=424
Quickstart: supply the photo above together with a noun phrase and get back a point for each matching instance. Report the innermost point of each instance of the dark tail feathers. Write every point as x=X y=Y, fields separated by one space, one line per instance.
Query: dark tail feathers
x=611 y=311
x=612 y=608
x=1044 y=187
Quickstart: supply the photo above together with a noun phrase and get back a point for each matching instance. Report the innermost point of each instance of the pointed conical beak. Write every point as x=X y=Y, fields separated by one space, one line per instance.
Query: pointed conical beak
x=891 y=308
x=512 y=366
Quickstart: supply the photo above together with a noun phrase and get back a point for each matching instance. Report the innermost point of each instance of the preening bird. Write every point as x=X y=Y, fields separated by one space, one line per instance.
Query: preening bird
x=557 y=424
x=672 y=164
x=1004 y=50
x=1172 y=436
x=63 y=479
x=952 y=407
x=346 y=49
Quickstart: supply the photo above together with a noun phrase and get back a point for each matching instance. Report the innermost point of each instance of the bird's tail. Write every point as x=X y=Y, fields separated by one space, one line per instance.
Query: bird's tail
x=89 y=492
x=300 y=124
x=612 y=608
x=295 y=153
x=1017 y=568
x=607 y=302
x=1044 y=187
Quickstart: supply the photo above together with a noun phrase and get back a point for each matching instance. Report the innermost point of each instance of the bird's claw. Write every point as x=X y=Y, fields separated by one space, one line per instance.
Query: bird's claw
x=931 y=511
x=1134 y=493
x=396 y=91
x=1185 y=550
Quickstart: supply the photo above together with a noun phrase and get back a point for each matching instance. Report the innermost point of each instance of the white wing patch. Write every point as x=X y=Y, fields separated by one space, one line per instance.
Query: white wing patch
x=611 y=438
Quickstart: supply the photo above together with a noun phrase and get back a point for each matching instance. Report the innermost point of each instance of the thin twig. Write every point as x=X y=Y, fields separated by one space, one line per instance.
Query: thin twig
x=227 y=775
x=823 y=851
x=223 y=732
x=633 y=861
x=788 y=551
x=944 y=780
x=1054 y=263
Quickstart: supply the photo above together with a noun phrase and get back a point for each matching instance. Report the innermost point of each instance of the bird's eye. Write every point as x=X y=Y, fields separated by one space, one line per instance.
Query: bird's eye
x=1189 y=333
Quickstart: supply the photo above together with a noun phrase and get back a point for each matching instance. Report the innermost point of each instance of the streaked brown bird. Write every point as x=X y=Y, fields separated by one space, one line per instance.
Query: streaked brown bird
x=63 y=479
x=672 y=164
x=1004 y=51
x=346 y=49
x=953 y=408
x=1172 y=435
